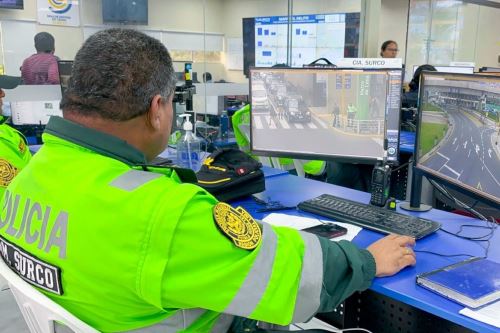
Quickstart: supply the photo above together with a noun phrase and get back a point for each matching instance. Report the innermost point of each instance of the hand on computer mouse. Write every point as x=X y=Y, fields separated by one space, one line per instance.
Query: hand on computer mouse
x=392 y=254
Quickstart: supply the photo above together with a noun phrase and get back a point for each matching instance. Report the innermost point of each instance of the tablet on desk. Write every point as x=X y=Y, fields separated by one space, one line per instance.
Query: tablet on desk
x=473 y=282
x=329 y=230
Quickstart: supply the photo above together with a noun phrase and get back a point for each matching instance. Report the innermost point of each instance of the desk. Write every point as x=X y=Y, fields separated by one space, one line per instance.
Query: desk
x=290 y=190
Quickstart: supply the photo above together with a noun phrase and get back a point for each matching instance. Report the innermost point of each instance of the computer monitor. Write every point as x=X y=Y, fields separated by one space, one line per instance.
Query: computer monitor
x=451 y=69
x=12 y=4
x=125 y=11
x=313 y=36
x=34 y=112
x=346 y=114
x=459 y=132
x=65 y=67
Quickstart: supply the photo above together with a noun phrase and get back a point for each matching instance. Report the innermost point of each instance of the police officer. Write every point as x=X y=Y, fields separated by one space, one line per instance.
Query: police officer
x=14 y=152
x=127 y=247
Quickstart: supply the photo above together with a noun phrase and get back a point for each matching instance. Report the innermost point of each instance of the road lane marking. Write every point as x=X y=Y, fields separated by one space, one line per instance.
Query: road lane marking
x=479 y=187
x=469 y=153
x=496 y=181
x=465 y=144
x=297 y=125
x=258 y=123
x=454 y=140
x=454 y=172
x=489 y=152
x=284 y=124
x=322 y=123
x=270 y=122
x=456 y=148
x=443 y=156
x=312 y=125
x=477 y=149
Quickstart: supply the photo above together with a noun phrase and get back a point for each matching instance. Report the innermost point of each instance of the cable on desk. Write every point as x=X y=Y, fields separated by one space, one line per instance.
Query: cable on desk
x=444 y=255
x=355 y=329
x=491 y=226
x=338 y=330
x=456 y=201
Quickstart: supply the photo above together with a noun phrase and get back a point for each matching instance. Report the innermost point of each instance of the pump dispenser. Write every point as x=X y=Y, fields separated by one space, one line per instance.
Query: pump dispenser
x=188 y=147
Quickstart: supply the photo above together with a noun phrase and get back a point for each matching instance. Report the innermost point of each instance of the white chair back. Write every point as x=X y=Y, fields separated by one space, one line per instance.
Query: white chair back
x=39 y=311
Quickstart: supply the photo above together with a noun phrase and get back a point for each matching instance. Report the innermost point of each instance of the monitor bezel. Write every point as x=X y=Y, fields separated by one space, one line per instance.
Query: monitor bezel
x=470 y=68
x=337 y=158
x=448 y=182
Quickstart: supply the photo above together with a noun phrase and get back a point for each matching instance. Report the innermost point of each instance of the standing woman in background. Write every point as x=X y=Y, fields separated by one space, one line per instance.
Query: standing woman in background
x=389 y=49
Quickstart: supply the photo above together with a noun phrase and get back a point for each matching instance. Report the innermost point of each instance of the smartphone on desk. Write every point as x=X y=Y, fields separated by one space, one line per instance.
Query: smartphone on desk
x=328 y=230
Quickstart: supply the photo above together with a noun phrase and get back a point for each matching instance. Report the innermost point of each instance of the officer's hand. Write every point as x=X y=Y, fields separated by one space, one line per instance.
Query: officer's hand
x=392 y=254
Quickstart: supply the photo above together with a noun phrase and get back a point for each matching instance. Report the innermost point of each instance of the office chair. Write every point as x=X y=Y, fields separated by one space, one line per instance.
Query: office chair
x=41 y=314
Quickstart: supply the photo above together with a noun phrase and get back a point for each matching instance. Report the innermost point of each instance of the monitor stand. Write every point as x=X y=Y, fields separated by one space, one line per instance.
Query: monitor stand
x=415 y=204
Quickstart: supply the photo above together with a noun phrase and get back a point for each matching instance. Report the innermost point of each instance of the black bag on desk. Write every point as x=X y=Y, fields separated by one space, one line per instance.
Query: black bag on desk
x=230 y=173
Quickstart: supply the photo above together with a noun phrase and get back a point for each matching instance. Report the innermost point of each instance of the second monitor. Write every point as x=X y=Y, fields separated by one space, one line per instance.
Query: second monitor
x=346 y=114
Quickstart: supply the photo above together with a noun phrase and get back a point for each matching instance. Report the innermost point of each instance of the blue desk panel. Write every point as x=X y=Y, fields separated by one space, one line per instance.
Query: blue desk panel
x=290 y=190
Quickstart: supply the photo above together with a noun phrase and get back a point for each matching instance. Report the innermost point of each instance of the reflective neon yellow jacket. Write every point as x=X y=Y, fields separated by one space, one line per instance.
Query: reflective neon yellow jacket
x=140 y=250
x=14 y=154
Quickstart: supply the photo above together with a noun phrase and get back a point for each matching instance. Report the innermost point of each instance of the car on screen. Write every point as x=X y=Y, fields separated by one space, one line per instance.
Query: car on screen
x=296 y=110
x=260 y=100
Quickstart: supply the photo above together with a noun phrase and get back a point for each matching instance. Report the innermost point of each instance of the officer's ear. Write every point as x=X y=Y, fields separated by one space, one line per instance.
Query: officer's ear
x=154 y=114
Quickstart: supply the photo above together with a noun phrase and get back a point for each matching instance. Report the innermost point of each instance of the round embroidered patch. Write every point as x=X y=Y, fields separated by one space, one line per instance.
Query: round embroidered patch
x=7 y=172
x=237 y=225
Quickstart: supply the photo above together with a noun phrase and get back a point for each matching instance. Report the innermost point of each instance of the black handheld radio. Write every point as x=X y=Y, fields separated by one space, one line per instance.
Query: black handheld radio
x=381 y=182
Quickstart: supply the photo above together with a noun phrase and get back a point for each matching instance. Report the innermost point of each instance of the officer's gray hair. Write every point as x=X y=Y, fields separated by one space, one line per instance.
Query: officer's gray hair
x=116 y=74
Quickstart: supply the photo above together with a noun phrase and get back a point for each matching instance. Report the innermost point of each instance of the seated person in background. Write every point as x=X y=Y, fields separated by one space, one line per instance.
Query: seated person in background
x=351 y=175
x=389 y=49
x=178 y=259
x=410 y=99
x=14 y=152
x=41 y=68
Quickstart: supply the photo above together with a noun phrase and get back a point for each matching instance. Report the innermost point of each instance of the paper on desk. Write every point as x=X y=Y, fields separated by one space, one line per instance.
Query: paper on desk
x=488 y=314
x=300 y=222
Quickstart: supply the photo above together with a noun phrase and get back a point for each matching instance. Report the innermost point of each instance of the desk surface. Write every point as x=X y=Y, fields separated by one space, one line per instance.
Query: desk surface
x=290 y=190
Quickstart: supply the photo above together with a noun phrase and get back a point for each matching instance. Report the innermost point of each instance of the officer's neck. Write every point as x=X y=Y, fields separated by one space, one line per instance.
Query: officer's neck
x=135 y=132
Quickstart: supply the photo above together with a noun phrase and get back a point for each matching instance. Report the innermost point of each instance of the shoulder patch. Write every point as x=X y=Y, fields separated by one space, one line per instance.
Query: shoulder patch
x=22 y=146
x=7 y=172
x=237 y=225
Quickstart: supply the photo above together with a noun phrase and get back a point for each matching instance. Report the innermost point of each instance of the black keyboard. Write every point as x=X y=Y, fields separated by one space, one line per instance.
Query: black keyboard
x=369 y=217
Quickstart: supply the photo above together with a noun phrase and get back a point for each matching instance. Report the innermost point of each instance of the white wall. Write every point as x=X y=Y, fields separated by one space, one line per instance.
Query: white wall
x=186 y=15
x=393 y=24
x=385 y=19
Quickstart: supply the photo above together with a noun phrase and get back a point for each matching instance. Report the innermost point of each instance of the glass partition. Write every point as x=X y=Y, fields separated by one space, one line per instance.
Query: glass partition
x=442 y=32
